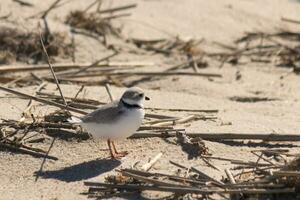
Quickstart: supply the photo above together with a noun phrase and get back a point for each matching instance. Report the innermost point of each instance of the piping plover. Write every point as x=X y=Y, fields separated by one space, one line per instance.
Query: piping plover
x=116 y=120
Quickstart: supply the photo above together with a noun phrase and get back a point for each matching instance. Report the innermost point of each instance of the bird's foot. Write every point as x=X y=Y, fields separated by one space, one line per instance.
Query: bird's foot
x=120 y=154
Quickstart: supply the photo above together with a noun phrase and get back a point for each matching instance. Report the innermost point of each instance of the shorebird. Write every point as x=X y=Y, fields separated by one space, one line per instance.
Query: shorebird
x=116 y=120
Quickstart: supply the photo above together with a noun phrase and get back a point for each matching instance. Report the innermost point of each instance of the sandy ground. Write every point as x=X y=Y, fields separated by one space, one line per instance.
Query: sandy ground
x=212 y=20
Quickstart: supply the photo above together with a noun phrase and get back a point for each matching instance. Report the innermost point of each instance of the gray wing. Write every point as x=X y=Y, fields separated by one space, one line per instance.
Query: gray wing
x=108 y=113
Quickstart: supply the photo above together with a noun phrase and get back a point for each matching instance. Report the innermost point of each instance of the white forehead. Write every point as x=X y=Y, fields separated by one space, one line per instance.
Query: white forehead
x=134 y=90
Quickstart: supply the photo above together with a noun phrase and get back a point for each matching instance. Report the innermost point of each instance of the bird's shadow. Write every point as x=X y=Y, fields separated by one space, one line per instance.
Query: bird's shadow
x=81 y=171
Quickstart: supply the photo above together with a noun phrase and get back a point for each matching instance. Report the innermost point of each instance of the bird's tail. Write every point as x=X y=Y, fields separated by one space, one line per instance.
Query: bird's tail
x=74 y=120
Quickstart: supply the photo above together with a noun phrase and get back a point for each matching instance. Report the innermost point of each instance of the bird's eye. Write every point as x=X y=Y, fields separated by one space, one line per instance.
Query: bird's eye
x=141 y=95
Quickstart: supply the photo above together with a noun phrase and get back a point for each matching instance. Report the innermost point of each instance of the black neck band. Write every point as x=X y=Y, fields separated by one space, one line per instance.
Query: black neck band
x=127 y=105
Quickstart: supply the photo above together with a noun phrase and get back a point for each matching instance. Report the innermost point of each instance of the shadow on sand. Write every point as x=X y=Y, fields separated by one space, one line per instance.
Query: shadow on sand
x=81 y=171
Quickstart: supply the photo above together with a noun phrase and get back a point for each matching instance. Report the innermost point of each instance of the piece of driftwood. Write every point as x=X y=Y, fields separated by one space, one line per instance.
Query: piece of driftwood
x=185 y=190
x=151 y=163
x=232 y=181
x=228 y=136
x=286 y=173
x=253 y=184
x=230 y=176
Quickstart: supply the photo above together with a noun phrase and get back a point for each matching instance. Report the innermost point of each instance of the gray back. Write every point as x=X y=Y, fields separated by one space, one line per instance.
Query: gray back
x=108 y=113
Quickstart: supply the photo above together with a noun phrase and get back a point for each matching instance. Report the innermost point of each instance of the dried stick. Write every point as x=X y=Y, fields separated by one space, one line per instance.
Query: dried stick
x=192 y=62
x=51 y=69
x=95 y=63
x=23 y=3
x=186 y=109
x=229 y=136
x=230 y=176
x=148 y=74
x=81 y=100
x=151 y=163
x=232 y=181
x=45 y=157
x=52 y=103
x=107 y=87
x=210 y=164
x=111 y=10
x=91 y=101
x=29 y=105
x=203 y=175
x=5 y=16
x=290 y=20
x=183 y=120
x=186 y=189
x=287 y=173
x=27 y=151
x=52 y=6
x=149 y=180
x=149 y=108
x=116 y=16
x=219 y=183
x=261 y=157
x=9 y=84
x=220 y=158
x=109 y=196
x=43 y=14
x=58 y=86
x=171 y=177
x=90 y=6
x=78 y=92
x=66 y=66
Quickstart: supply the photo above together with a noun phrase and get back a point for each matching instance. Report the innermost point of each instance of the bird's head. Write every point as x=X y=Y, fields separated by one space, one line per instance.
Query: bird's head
x=134 y=96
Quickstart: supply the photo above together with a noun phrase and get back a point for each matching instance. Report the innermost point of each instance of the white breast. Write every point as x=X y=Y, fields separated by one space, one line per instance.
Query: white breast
x=120 y=129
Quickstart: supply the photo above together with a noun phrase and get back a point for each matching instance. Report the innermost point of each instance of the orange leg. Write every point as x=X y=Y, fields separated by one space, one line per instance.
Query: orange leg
x=112 y=153
x=118 y=154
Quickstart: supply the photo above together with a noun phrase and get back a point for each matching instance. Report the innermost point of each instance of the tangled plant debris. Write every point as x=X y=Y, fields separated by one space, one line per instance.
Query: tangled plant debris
x=92 y=22
x=262 y=181
x=24 y=46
